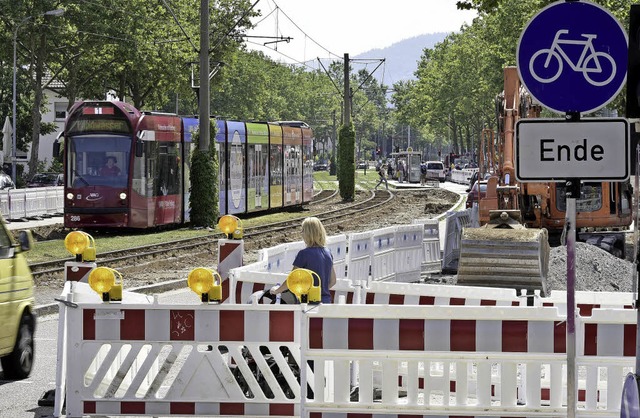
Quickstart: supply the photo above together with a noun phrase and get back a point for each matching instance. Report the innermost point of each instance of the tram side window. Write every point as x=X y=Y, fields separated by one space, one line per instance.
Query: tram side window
x=168 y=171
x=163 y=175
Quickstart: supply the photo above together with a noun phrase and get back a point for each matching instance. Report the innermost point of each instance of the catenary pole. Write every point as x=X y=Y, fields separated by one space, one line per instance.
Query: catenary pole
x=204 y=103
x=347 y=92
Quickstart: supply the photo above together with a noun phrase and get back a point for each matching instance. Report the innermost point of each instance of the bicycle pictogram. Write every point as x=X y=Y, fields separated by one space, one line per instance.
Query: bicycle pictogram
x=589 y=63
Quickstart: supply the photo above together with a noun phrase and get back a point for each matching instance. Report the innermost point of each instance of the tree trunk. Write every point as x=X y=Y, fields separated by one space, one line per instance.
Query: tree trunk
x=36 y=116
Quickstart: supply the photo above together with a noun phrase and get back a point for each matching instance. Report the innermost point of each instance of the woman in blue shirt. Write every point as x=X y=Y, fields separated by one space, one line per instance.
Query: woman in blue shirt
x=315 y=257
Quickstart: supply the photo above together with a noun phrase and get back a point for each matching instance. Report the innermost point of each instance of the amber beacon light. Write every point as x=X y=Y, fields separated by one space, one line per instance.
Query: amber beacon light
x=81 y=245
x=206 y=283
x=231 y=226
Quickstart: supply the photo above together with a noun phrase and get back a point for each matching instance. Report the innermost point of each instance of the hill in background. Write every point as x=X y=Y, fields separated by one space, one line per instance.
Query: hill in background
x=401 y=57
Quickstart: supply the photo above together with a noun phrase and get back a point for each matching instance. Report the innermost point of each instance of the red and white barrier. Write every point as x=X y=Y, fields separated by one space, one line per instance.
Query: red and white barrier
x=144 y=358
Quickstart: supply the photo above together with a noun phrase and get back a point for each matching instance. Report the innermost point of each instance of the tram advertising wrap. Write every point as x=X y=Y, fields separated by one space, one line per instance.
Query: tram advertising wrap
x=130 y=169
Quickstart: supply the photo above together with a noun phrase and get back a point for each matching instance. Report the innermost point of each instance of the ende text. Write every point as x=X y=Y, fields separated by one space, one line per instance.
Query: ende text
x=549 y=152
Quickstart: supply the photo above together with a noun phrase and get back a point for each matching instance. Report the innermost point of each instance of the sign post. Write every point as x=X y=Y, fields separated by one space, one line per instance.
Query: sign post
x=572 y=57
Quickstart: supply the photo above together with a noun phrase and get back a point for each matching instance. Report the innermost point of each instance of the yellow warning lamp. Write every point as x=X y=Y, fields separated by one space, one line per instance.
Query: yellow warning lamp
x=300 y=283
x=231 y=226
x=103 y=281
x=206 y=283
x=81 y=245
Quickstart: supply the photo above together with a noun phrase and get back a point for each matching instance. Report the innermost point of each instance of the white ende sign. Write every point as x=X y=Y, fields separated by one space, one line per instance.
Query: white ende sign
x=595 y=149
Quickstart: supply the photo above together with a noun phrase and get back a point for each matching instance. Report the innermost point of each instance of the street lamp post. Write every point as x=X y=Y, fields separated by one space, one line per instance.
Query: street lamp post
x=56 y=12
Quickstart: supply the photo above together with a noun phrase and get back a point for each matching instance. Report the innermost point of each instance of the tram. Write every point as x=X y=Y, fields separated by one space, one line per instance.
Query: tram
x=263 y=166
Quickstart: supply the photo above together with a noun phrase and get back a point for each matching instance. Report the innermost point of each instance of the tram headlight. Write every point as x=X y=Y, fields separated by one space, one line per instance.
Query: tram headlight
x=206 y=283
x=231 y=226
x=103 y=281
x=123 y=196
x=70 y=196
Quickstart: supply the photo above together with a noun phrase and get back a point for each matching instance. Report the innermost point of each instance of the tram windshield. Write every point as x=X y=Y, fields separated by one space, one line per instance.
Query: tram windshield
x=98 y=160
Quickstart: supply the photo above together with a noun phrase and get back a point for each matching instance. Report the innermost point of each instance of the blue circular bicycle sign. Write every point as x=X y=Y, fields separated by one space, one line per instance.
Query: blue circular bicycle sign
x=572 y=57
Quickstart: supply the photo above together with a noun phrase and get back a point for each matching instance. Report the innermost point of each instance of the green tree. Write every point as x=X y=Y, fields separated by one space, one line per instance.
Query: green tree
x=203 y=198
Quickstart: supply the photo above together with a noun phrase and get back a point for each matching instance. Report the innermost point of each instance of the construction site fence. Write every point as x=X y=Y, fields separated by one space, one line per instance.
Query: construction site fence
x=463 y=176
x=36 y=202
x=470 y=353
x=402 y=253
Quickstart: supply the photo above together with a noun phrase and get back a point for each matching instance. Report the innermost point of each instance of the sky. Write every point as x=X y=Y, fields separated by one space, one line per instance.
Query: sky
x=331 y=28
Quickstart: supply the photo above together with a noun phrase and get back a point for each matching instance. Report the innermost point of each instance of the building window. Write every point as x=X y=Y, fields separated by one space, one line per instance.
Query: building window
x=61 y=111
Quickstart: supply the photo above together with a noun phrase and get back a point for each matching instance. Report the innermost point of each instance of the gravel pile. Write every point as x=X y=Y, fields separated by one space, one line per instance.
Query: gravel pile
x=596 y=270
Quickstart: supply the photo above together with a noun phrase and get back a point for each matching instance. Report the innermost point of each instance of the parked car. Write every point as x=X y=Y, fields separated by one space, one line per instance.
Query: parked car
x=6 y=182
x=472 y=192
x=46 y=180
x=17 y=320
x=320 y=166
x=362 y=165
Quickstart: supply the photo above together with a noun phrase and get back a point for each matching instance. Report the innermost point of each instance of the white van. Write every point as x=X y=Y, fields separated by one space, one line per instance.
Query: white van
x=435 y=170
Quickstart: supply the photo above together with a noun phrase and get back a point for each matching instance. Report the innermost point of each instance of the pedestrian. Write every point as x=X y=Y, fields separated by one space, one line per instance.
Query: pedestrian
x=315 y=257
x=382 y=173
x=423 y=173
x=400 y=171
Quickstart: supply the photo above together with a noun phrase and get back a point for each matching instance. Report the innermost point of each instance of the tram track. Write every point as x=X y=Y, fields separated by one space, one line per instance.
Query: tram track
x=136 y=255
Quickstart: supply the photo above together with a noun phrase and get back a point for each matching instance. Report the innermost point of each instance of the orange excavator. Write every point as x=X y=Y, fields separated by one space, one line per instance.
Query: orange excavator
x=518 y=220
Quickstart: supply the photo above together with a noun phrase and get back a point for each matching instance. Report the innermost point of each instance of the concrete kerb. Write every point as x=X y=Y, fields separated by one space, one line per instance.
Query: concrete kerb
x=52 y=308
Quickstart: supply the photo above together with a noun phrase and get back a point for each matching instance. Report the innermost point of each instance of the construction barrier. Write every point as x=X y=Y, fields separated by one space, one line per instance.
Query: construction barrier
x=32 y=203
x=4 y=204
x=431 y=253
x=455 y=221
x=144 y=358
x=463 y=176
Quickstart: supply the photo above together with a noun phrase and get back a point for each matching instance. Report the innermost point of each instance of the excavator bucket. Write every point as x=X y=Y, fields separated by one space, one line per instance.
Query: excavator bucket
x=504 y=253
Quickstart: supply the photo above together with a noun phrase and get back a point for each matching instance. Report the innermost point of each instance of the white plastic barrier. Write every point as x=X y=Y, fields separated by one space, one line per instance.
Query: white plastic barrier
x=463 y=176
x=33 y=200
x=408 y=251
x=337 y=244
x=387 y=293
x=455 y=221
x=275 y=258
x=32 y=203
x=383 y=265
x=4 y=204
x=431 y=254
x=586 y=302
x=17 y=204
x=51 y=200
x=360 y=257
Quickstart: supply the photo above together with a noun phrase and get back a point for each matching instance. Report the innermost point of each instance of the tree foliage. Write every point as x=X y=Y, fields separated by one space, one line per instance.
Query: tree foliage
x=203 y=197
x=459 y=78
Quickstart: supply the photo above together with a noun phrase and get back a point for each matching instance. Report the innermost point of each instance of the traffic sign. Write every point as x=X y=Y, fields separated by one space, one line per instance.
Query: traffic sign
x=595 y=149
x=572 y=56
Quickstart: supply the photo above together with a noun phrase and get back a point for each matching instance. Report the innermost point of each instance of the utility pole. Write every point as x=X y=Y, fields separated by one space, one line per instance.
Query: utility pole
x=335 y=137
x=204 y=77
x=347 y=92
